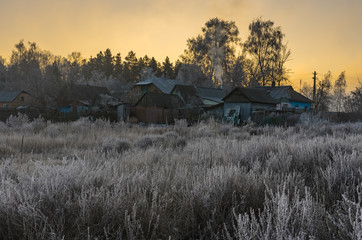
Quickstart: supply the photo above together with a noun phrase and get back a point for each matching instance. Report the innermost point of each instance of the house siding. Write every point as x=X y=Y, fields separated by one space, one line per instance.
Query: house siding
x=244 y=109
x=300 y=105
x=23 y=99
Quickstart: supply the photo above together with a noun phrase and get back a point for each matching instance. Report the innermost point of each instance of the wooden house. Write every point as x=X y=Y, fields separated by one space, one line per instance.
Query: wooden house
x=242 y=103
x=188 y=94
x=80 y=98
x=157 y=108
x=210 y=96
x=16 y=100
x=287 y=98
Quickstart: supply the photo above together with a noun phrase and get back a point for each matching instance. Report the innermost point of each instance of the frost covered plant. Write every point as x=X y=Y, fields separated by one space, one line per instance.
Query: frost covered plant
x=116 y=145
x=51 y=130
x=151 y=140
x=348 y=217
x=38 y=124
x=312 y=119
x=17 y=121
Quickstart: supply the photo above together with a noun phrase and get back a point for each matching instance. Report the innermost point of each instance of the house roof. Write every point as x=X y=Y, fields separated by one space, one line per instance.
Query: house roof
x=188 y=94
x=212 y=94
x=165 y=85
x=286 y=92
x=160 y=100
x=250 y=95
x=86 y=92
x=9 y=96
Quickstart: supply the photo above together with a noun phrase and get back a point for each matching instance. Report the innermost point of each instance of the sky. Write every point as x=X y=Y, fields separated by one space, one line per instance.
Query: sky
x=322 y=35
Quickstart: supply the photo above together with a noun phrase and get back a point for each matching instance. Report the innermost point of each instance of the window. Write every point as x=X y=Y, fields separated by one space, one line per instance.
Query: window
x=5 y=106
x=22 y=98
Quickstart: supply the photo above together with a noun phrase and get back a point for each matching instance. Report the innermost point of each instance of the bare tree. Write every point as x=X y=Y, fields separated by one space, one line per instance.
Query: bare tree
x=323 y=95
x=339 y=90
x=353 y=102
x=214 y=50
x=265 y=45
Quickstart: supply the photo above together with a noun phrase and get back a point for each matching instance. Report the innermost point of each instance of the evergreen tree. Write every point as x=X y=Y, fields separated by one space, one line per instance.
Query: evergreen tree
x=167 y=69
x=130 y=68
x=118 y=67
x=108 y=63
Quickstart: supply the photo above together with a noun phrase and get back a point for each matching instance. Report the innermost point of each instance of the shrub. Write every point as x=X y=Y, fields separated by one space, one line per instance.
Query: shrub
x=117 y=145
x=17 y=121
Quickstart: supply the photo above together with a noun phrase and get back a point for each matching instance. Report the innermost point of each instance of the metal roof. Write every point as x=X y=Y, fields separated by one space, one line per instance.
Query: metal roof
x=251 y=95
x=188 y=94
x=286 y=92
x=8 y=96
x=165 y=85
x=211 y=93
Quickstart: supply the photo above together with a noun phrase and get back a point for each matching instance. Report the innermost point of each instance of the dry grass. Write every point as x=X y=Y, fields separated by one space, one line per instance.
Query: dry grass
x=99 y=180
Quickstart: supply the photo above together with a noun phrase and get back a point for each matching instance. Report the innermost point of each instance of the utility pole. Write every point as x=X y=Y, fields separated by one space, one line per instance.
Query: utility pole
x=314 y=85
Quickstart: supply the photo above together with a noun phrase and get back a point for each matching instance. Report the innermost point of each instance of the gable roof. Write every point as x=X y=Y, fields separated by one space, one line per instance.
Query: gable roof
x=86 y=92
x=286 y=92
x=213 y=94
x=160 y=100
x=188 y=94
x=165 y=85
x=250 y=95
x=9 y=96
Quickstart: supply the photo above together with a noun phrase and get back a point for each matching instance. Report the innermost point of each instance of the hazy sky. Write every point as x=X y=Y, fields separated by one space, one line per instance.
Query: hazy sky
x=322 y=34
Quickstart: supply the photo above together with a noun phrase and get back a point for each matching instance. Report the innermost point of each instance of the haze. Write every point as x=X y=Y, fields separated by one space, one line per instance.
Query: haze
x=322 y=35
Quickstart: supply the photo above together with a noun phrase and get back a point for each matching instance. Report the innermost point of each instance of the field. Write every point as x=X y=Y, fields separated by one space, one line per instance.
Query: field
x=83 y=180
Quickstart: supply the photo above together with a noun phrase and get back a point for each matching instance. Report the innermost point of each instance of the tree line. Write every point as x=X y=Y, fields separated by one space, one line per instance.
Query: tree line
x=215 y=58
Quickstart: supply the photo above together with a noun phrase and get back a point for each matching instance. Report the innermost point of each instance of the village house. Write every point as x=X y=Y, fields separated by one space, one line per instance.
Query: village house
x=188 y=94
x=16 y=100
x=242 y=103
x=157 y=108
x=287 y=98
x=80 y=98
x=157 y=85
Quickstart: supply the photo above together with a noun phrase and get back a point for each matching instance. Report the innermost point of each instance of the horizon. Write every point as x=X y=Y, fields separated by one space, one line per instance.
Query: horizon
x=321 y=36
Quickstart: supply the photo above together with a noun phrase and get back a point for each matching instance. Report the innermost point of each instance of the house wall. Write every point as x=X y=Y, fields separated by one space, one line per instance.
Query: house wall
x=300 y=105
x=149 y=114
x=147 y=88
x=244 y=109
x=123 y=112
x=23 y=99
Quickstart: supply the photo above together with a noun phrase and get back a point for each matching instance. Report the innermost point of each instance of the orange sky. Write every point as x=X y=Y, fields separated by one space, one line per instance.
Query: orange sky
x=322 y=35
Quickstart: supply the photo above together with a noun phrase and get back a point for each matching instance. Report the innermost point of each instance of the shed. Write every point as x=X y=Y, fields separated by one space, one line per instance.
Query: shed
x=242 y=103
x=157 y=108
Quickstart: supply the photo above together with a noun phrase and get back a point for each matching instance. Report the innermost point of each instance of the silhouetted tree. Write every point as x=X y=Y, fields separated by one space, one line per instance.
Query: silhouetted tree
x=2 y=72
x=339 y=90
x=118 y=66
x=155 y=66
x=323 y=93
x=26 y=70
x=214 y=50
x=269 y=53
x=239 y=73
x=167 y=69
x=353 y=102
x=177 y=67
x=130 y=68
x=108 y=63
x=192 y=74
